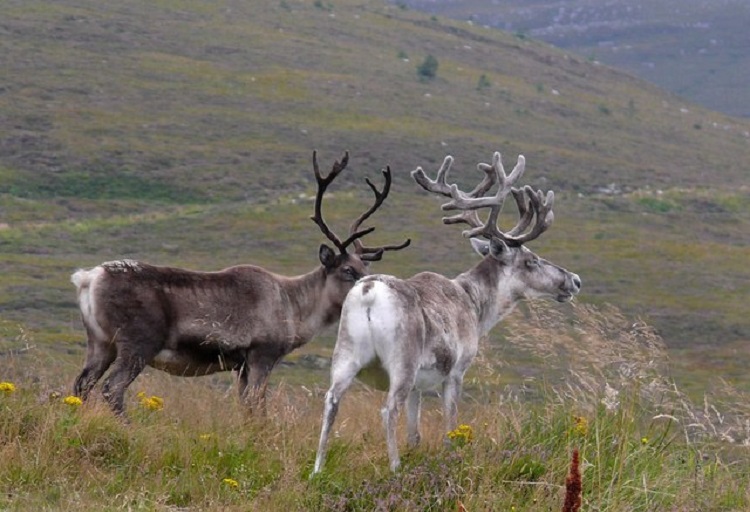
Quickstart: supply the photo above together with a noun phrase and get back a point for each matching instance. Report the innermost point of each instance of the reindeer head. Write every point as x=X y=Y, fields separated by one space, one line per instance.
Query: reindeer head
x=526 y=274
x=342 y=270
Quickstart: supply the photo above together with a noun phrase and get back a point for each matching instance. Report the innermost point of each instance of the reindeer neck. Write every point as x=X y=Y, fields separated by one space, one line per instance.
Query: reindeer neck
x=485 y=284
x=312 y=309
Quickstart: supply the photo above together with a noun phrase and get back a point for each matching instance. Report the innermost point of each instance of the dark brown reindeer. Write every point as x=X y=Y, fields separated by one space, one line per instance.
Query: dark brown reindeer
x=242 y=318
x=423 y=332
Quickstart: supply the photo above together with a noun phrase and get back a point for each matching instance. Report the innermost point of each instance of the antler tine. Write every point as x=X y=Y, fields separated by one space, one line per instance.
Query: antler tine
x=438 y=185
x=462 y=201
x=490 y=177
x=380 y=196
x=541 y=208
x=372 y=253
x=376 y=253
x=524 y=211
x=470 y=217
x=323 y=182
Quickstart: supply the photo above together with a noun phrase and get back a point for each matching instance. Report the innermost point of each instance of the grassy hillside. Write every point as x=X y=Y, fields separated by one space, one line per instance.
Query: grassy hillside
x=181 y=133
x=217 y=101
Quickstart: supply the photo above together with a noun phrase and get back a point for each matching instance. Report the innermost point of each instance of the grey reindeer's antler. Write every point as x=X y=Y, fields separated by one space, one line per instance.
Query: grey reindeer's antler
x=531 y=204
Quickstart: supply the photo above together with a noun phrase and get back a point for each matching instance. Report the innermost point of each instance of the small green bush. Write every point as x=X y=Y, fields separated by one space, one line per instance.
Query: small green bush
x=656 y=205
x=483 y=83
x=427 y=70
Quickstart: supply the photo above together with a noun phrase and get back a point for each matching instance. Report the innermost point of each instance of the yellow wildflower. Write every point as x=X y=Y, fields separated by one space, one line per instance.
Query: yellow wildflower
x=581 y=425
x=231 y=482
x=644 y=440
x=205 y=437
x=141 y=395
x=72 y=401
x=462 y=434
x=152 y=403
x=7 y=387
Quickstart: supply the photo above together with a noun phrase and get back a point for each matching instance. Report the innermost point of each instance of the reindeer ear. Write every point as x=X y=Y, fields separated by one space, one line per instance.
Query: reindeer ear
x=495 y=248
x=482 y=247
x=499 y=249
x=327 y=256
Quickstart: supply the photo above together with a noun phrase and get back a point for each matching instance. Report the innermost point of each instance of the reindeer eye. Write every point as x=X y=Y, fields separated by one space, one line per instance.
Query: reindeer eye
x=532 y=263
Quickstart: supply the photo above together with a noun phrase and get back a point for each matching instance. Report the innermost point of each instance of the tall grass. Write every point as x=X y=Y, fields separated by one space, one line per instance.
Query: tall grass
x=605 y=391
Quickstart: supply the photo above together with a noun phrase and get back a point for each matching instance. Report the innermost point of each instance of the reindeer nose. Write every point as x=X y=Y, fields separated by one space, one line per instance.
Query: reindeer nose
x=577 y=282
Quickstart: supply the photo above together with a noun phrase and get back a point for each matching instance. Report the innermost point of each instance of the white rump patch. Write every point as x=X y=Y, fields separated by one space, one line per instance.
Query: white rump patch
x=86 y=282
x=371 y=310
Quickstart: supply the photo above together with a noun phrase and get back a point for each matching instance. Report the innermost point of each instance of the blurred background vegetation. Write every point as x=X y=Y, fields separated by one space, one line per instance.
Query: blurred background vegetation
x=694 y=48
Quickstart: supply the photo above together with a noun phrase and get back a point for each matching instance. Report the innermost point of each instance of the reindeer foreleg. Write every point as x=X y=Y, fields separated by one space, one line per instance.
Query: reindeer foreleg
x=127 y=366
x=451 y=395
x=254 y=377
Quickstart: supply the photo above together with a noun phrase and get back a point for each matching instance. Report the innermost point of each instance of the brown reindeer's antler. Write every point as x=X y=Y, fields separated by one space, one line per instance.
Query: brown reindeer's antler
x=374 y=253
x=365 y=253
x=531 y=204
x=323 y=182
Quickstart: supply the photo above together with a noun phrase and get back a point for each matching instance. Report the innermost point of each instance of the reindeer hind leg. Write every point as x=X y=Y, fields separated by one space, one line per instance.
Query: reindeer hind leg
x=342 y=375
x=402 y=384
x=99 y=356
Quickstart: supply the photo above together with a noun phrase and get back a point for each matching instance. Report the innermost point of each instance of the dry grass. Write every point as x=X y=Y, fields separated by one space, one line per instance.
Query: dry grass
x=149 y=127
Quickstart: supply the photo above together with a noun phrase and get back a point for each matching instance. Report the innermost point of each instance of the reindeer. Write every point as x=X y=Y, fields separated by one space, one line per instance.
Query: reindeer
x=243 y=318
x=423 y=332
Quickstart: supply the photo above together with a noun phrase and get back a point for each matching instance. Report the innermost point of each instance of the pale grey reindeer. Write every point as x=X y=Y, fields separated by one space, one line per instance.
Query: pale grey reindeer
x=242 y=318
x=424 y=332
